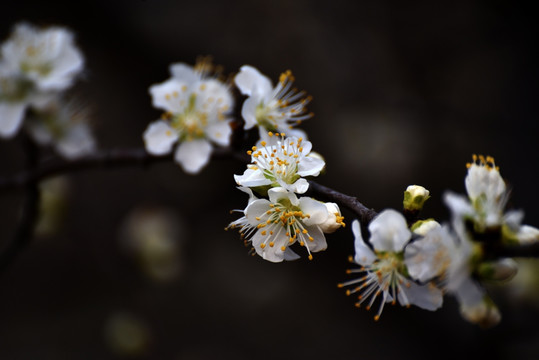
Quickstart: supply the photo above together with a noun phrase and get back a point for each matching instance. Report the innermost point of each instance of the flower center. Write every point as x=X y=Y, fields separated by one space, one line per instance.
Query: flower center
x=190 y=124
x=279 y=161
x=283 y=217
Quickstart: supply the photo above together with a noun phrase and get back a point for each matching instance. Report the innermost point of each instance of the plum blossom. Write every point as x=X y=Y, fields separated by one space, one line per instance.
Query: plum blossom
x=65 y=127
x=283 y=164
x=36 y=64
x=383 y=267
x=276 y=109
x=196 y=115
x=273 y=225
x=487 y=197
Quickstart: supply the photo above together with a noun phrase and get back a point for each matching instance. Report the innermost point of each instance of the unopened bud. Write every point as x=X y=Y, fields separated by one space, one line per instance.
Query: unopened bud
x=422 y=227
x=485 y=313
x=414 y=198
x=502 y=270
x=334 y=220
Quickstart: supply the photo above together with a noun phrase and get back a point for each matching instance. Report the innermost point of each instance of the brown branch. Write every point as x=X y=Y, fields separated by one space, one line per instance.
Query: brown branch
x=106 y=159
x=112 y=159
x=365 y=215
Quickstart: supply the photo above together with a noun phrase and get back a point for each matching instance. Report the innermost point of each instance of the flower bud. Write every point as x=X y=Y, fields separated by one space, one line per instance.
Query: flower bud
x=503 y=270
x=414 y=198
x=334 y=220
x=485 y=313
x=422 y=227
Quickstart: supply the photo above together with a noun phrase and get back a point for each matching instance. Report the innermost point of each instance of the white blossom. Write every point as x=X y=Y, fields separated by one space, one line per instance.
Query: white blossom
x=46 y=57
x=487 y=197
x=273 y=225
x=383 y=267
x=63 y=126
x=276 y=109
x=283 y=164
x=36 y=64
x=197 y=109
x=439 y=254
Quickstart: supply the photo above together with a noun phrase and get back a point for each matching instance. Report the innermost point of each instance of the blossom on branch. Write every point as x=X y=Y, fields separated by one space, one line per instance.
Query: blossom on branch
x=384 y=271
x=64 y=126
x=484 y=208
x=196 y=107
x=36 y=64
x=275 y=109
x=283 y=164
x=273 y=225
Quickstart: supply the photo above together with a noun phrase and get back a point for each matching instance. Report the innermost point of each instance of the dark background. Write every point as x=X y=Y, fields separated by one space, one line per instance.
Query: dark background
x=403 y=94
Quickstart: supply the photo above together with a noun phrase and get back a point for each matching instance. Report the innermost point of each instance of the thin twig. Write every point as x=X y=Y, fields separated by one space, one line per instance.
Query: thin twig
x=29 y=211
x=112 y=159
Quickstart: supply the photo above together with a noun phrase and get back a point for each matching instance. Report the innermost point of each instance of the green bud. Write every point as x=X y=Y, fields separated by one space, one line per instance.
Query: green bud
x=414 y=198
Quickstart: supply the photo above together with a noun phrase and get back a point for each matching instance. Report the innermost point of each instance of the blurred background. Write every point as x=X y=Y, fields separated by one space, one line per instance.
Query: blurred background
x=402 y=94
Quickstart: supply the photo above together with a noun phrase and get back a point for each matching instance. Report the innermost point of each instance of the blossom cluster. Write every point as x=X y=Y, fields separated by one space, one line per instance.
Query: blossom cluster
x=416 y=263
x=36 y=67
x=405 y=260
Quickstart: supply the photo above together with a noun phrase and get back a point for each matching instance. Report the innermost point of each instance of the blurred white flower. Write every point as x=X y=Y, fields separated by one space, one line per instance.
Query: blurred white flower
x=439 y=254
x=153 y=237
x=63 y=125
x=197 y=109
x=276 y=109
x=127 y=334
x=384 y=268
x=36 y=64
x=46 y=57
x=283 y=164
x=275 y=224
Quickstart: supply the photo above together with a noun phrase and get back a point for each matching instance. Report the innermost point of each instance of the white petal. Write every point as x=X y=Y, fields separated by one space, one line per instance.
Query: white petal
x=299 y=187
x=193 y=155
x=298 y=133
x=11 y=117
x=39 y=131
x=469 y=294
x=184 y=73
x=159 y=138
x=213 y=97
x=248 y=113
x=251 y=82
x=270 y=253
x=252 y=178
x=249 y=192
x=364 y=255
x=319 y=240
x=257 y=208
x=77 y=142
x=277 y=193
x=316 y=210
x=290 y=255
x=219 y=133
x=389 y=231
x=458 y=204
x=331 y=225
x=310 y=166
x=171 y=95
x=513 y=219
x=427 y=297
x=527 y=234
